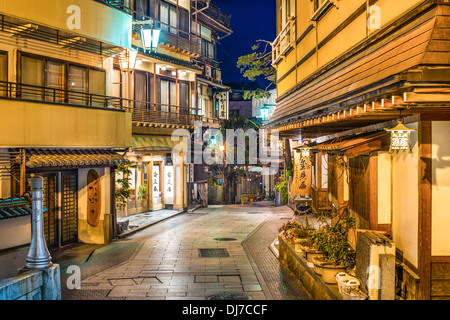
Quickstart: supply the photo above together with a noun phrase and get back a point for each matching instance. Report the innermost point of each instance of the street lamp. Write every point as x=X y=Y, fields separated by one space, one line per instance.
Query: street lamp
x=213 y=141
x=265 y=113
x=150 y=38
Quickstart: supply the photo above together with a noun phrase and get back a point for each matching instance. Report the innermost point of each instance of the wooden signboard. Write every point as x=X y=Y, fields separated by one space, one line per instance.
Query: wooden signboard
x=301 y=182
x=94 y=198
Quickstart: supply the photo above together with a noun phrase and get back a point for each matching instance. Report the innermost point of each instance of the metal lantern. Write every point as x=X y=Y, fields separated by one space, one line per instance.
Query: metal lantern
x=265 y=113
x=400 y=138
x=305 y=152
x=150 y=38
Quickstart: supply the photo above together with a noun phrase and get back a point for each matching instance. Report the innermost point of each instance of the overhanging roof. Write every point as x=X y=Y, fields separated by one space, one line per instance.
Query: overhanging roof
x=72 y=158
x=368 y=73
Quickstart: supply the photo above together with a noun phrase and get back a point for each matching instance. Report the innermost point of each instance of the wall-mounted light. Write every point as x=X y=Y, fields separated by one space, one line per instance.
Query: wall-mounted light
x=183 y=73
x=129 y=63
x=305 y=152
x=400 y=137
x=174 y=73
x=163 y=68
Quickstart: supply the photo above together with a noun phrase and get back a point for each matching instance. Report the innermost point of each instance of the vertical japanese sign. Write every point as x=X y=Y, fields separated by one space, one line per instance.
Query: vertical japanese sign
x=168 y=184
x=155 y=181
x=301 y=183
x=222 y=101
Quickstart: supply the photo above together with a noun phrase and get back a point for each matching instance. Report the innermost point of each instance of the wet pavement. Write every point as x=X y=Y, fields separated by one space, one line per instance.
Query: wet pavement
x=211 y=252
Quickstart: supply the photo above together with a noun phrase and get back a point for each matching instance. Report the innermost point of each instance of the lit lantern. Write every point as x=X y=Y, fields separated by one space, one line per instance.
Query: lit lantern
x=150 y=38
x=129 y=63
x=213 y=141
x=400 y=138
x=305 y=152
x=265 y=113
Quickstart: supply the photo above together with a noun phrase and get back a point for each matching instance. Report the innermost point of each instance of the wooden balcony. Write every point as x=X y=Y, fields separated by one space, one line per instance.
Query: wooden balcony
x=284 y=42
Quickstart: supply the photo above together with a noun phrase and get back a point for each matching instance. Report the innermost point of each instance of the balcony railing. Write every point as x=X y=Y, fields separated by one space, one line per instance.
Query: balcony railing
x=284 y=41
x=142 y=111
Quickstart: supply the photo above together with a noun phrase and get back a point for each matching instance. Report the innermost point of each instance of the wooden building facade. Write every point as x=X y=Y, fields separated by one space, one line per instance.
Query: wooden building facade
x=346 y=71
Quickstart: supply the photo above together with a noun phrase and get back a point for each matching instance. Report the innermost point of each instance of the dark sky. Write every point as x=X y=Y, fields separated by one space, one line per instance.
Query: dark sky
x=250 y=20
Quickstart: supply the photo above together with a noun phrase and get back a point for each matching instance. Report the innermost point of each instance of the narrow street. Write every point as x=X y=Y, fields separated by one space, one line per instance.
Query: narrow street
x=209 y=254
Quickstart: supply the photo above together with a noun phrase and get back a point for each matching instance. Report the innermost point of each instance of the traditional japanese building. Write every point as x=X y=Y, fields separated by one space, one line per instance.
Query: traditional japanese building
x=80 y=95
x=348 y=70
x=57 y=118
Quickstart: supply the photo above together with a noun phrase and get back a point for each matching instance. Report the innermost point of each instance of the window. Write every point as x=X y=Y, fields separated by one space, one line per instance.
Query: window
x=168 y=16
x=144 y=9
x=3 y=73
x=32 y=74
x=183 y=23
x=55 y=79
x=117 y=83
x=184 y=97
x=140 y=90
x=77 y=84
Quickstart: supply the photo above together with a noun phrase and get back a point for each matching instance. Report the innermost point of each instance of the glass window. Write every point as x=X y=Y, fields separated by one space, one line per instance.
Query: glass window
x=183 y=23
x=55 y=79
x=184 y=97
x=173 y=19
x=77 y=84
x=173 y=96
x=140 y=90
x=164 y=16
x=32 y=73
x=97 y=86
x=3 y=73
x=164 y=96
x=117 y=83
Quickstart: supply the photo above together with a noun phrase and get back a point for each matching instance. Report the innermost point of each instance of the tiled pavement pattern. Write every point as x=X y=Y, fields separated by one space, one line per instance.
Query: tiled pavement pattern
x=168 y=265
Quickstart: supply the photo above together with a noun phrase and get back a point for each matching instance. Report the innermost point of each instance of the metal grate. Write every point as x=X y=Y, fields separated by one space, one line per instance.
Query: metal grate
x=213 y=253
x=227 y=296
x=69 y=209
x=50 y=215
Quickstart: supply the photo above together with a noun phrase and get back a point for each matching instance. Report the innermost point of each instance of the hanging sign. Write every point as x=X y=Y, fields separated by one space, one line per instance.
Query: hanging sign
x=301 y=182
x=155 y=181
x=168 y=184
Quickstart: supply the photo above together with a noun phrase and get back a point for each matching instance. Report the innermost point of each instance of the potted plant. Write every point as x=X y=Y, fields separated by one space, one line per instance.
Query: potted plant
x=332 y=241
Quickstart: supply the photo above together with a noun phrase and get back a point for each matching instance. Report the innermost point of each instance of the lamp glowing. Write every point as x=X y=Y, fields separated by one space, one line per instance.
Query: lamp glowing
x=265 y=113
x=400 y=138
x=150 y=38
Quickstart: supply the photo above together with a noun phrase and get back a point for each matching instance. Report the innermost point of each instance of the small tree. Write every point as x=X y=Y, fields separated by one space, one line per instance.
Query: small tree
x=123 y=182
x=256 y=64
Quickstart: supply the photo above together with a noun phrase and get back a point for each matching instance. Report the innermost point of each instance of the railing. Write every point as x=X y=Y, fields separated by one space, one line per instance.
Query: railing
x=284 y=41
x=170 y=35
x=142 y=111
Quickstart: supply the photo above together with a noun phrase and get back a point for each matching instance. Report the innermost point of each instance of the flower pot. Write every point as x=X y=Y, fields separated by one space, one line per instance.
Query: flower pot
x=346 y=281
x=330 y=270
x=318 y=261
x=311 y=254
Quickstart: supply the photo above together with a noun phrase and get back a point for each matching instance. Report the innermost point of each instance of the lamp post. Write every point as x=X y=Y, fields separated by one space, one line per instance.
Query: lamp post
x=38 y=255
x=265 y=113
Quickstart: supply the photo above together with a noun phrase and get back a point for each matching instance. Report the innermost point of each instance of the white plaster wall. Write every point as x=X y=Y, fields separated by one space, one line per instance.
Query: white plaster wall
x=440 y=216
x=15 y=232
x=405 y=199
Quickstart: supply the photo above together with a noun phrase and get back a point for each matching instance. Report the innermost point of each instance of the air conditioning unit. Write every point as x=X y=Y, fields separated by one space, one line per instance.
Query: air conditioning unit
x=375 y=265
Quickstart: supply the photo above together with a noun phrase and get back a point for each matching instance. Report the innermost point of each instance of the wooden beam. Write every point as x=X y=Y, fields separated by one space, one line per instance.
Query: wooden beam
x=425 y=207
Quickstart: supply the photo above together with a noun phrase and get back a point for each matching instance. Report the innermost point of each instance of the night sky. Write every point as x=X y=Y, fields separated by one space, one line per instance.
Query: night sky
x=250 y=20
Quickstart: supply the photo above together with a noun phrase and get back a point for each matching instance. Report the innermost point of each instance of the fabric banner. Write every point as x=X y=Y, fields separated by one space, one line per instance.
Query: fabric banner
x=301 y=182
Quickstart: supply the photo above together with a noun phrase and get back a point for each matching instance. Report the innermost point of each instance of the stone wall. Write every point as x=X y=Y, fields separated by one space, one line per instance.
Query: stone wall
x=32 y=284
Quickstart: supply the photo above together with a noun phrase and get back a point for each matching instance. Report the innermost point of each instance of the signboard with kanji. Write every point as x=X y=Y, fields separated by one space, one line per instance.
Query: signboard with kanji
x=301 y=182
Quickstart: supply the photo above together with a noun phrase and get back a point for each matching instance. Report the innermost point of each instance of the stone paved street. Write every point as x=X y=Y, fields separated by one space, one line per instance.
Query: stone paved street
x=216 y=250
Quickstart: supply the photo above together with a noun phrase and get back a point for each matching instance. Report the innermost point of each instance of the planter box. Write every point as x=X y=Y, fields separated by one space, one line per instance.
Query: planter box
x=298 y=266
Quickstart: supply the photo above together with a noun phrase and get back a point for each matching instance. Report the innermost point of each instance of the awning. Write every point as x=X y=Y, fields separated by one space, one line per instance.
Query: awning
x=357 y=145
x=75 y=158
x=15 y=207
x=153 y=143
